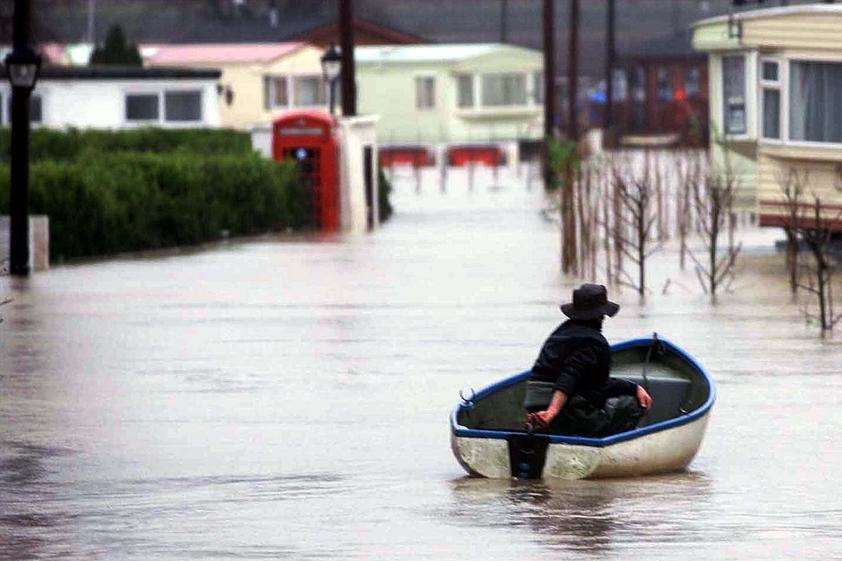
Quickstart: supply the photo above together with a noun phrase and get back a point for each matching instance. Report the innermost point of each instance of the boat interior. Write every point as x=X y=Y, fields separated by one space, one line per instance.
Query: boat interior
x=676 y=385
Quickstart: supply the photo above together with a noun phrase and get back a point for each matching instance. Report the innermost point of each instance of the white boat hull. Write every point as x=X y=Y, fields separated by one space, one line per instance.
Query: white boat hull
x=664 y=451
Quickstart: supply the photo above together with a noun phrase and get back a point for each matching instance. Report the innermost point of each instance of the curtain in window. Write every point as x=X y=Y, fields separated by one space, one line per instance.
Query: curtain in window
x=309 y=91
x=538 y=79
x=425 y=92
x=465 y=86
x=771 y=113
x=734 y=90
x=183 y=106
x=815 y=101
x=281 y=94
x=503 y=89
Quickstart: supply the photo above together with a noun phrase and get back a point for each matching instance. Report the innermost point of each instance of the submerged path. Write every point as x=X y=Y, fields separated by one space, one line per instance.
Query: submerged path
x=289 y=399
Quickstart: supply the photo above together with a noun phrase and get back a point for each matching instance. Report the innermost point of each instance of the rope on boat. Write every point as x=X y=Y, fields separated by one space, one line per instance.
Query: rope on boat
x=648 y=358
x=467 y=402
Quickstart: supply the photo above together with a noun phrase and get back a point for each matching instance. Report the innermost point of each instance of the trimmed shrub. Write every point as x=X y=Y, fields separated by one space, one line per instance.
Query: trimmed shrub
x=49 y=144
x=104 y=203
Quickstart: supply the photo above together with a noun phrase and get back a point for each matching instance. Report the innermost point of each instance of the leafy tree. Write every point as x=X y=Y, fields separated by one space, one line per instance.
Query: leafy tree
x=116 y=50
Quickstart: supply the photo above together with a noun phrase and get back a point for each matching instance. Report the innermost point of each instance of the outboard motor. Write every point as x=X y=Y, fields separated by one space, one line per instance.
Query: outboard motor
x=527 y=454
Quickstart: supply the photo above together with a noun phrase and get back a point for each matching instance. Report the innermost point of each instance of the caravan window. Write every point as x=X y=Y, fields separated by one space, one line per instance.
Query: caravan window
x=770 y=97
x=309 y=91
x=465 y=87
x=815 y=101
x=425 y=92
x=503 y=89
x=734 y=94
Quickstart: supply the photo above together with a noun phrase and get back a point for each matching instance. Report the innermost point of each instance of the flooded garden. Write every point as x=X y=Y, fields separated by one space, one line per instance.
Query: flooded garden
x=287 y=397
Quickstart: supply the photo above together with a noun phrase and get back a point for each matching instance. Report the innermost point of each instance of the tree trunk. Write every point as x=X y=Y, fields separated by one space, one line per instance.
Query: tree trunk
x=792 y=259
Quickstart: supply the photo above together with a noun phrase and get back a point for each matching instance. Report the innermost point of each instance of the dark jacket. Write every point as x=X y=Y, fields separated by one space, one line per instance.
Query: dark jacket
x=575 y=359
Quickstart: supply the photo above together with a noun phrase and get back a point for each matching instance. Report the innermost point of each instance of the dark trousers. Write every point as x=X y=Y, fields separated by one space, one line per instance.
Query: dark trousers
x=580 y=417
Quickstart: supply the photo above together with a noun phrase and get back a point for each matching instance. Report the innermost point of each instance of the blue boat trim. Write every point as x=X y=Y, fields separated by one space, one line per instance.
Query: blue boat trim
x=461 y=431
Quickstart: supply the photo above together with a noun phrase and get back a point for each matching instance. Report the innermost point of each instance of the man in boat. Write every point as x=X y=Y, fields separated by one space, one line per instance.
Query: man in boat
x=570 y=390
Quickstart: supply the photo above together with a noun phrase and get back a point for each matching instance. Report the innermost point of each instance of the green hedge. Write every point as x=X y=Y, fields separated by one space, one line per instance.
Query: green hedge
x=48 y=144
x=103 y=203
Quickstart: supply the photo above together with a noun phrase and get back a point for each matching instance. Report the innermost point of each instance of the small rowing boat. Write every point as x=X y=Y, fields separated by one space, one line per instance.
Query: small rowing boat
x=489 y=439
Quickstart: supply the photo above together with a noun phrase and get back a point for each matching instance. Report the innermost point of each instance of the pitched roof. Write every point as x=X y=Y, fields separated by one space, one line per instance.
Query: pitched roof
x=374 y=31
x=217 y=53
x=423 y=53
x=107 y=72
x=774 y=12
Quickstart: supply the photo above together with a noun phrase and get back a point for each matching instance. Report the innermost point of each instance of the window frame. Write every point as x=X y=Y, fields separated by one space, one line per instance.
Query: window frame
x=165 y=91
x=536 y=96
x=141 y=122
x=416 y=79
x=524 y=75
x=697 y=71
x=784 y=74
x=471 y=78
x=292 y=94
x=664 y=71
x=273 y=89
x=160 y=92
x=6 y=107
x=32 y=97
x=789 y=60
x=747 y=129
x=780 y=85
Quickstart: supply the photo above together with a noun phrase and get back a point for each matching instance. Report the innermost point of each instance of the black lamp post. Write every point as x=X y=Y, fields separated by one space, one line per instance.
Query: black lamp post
x=331 y=66
x=22 y=66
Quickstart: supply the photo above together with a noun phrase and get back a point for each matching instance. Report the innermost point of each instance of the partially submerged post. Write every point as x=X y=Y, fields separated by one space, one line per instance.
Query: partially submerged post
x=548 y=20
x=568 y=217
x=610 y=53
x=349 y=80
x=22 y=65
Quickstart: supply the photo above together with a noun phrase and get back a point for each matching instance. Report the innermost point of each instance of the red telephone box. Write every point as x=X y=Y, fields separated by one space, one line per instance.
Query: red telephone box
x=307 y=138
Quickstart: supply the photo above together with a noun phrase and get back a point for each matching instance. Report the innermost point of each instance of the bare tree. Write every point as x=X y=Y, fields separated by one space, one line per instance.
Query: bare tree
x=713 y=201
x=634 y=219
x=792 y=184
x=816 y=231
x=689 y=172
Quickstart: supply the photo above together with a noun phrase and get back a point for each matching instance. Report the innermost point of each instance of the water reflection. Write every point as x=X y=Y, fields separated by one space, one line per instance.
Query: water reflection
x=24 y=525
x=577 y=516
x=585 y=516
x=289 y=400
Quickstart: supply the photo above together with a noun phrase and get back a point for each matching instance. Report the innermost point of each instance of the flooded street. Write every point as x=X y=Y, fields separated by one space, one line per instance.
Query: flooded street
x=289 y=399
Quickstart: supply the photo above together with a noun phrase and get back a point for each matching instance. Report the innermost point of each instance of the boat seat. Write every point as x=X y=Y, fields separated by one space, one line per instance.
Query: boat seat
x=669 y=395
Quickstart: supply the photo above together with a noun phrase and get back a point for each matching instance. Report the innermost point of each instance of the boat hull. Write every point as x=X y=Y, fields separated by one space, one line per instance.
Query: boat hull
x=665 y=451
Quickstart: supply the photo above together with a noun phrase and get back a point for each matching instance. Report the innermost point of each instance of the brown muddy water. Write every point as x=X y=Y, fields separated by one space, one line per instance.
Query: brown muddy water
x=289 y=400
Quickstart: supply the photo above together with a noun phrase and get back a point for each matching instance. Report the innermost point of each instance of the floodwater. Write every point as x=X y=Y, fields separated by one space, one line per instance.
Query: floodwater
x=288 y=399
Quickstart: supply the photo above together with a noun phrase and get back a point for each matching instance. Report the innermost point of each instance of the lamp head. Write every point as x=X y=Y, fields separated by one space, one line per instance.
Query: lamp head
x=331 y=63
x=22 y=67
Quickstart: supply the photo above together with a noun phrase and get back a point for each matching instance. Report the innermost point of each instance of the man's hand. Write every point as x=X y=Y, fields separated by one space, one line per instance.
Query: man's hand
x=643 y=397
x=542 y=419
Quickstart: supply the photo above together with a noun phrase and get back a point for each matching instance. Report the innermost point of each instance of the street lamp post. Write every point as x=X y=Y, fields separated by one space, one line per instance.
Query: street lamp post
x=331 y=66
x=22 y=66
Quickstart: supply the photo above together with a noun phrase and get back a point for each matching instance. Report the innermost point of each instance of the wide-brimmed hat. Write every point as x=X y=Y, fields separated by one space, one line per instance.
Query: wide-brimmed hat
x=590 y=301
